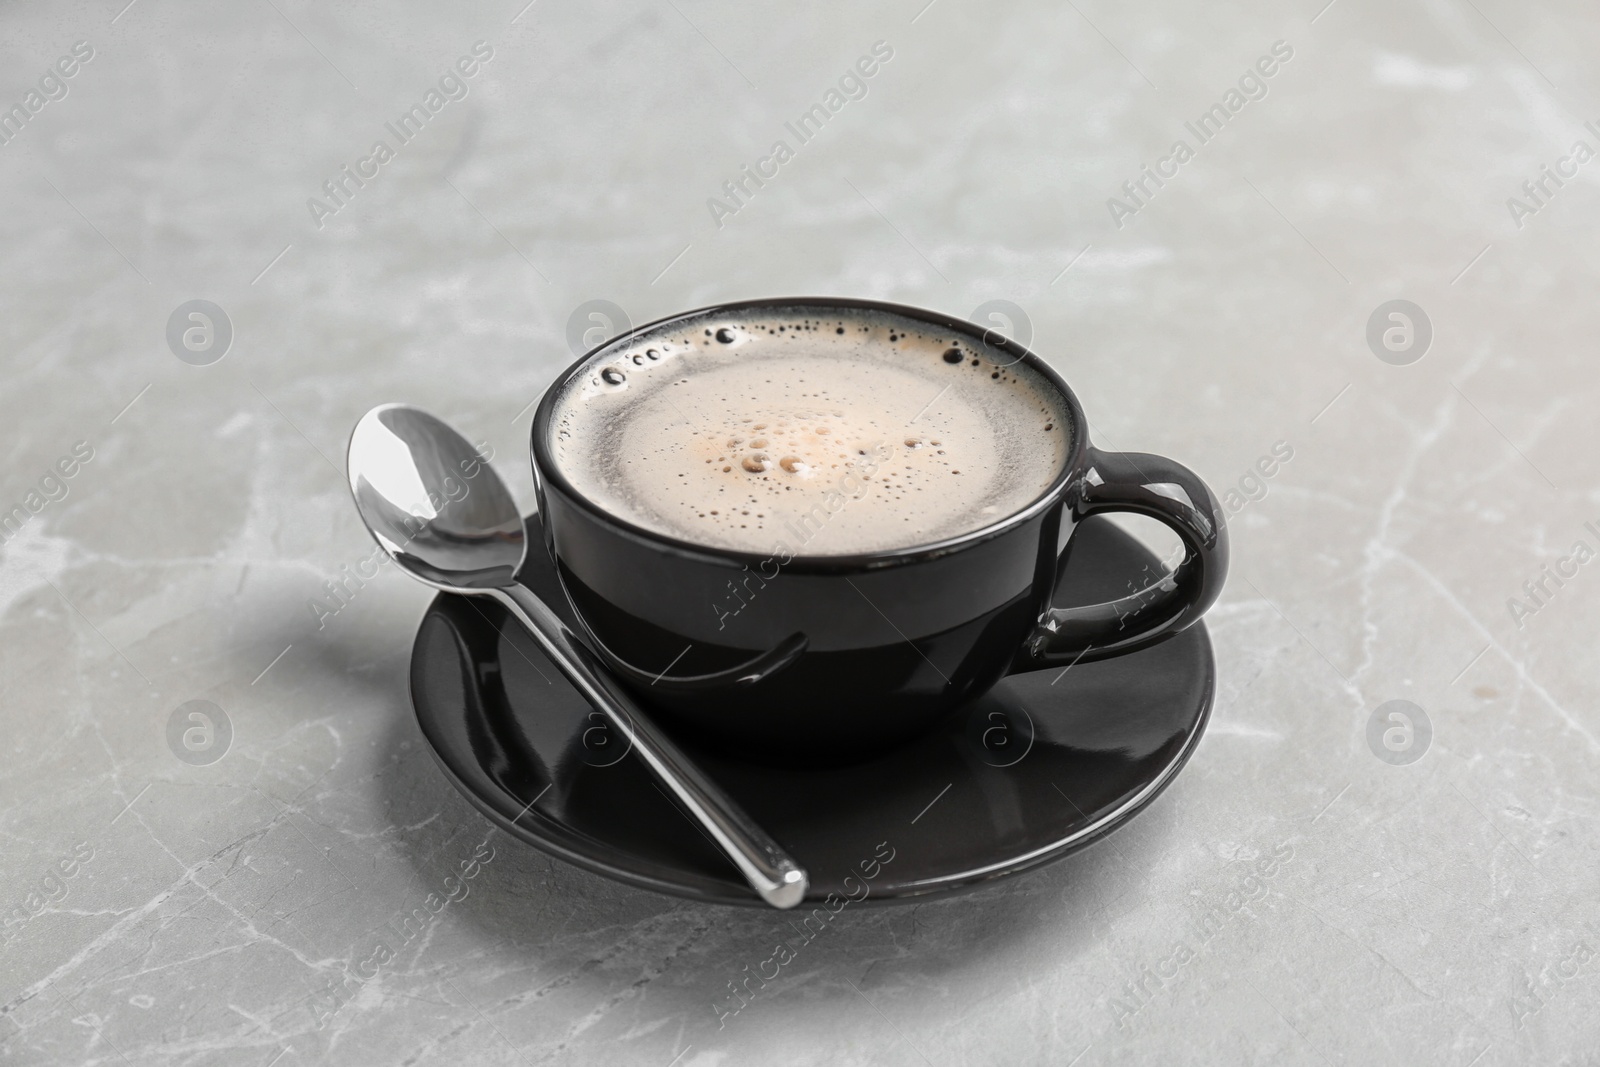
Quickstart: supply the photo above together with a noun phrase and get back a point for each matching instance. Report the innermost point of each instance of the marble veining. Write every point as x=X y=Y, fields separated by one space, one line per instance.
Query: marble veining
x=285 y=880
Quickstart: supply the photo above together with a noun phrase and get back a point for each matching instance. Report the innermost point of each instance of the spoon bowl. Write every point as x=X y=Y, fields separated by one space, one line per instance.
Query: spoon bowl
x=433 y=502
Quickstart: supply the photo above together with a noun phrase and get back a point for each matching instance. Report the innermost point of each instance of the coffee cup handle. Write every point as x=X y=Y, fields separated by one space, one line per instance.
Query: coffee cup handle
x=1162 y=489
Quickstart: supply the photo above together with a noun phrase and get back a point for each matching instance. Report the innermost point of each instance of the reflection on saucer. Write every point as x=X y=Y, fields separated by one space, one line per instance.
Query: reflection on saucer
x=1041 y=766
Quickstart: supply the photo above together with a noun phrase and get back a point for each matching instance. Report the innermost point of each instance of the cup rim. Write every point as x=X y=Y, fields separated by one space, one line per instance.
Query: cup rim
x=547 y=470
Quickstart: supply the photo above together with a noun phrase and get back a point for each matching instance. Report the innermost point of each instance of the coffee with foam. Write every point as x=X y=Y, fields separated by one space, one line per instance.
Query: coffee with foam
x=809 y=432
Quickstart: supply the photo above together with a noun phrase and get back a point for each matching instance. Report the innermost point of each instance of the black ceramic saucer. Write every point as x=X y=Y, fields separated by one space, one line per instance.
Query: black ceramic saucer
x=1043 y=765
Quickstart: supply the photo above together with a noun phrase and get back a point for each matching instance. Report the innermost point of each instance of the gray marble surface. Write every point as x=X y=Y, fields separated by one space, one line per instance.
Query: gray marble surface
x=160 y=910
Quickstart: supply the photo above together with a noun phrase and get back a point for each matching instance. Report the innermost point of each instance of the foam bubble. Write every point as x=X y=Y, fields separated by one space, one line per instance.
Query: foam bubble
x=809 y=434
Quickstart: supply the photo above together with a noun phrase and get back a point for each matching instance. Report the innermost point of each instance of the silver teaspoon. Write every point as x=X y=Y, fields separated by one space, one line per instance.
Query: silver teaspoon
x=442 y=513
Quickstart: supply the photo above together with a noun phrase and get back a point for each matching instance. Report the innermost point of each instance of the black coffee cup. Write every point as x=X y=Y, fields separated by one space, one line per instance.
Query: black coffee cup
x=836 y=658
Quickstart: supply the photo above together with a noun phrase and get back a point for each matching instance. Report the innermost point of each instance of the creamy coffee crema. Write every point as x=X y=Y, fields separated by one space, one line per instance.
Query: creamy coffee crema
x=808 y=432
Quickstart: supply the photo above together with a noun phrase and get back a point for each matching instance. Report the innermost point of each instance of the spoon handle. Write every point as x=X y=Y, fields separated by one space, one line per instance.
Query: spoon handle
x=765 y=865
